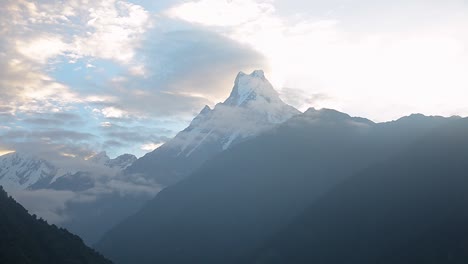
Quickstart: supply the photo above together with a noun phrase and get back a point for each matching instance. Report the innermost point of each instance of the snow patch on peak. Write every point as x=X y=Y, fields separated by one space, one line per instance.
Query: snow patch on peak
x=258 y=74
x=21 y=171
x=253 y=106
x=251 y=87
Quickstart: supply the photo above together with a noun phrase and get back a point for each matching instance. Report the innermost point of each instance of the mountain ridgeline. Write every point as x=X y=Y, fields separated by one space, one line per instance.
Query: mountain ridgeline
x=410 y=208
x=231 y=208
x=254 y=180
x=26 y=239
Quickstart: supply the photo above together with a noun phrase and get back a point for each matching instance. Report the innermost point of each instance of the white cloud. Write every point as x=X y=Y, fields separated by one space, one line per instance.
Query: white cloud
x=222 y=12
x=41 y=49
x=35 y=34
x=150 y=146
x=113 y=112
x=114 y=30
x=26 y=90
x=47 y=204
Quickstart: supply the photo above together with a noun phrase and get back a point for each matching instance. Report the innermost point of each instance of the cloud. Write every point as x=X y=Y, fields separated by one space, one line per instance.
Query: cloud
x=112 y=26
x=302 y=100
x=47 y=204
x=48 y=135
x=184 y=70
x=370 y=58
x=36 y=35
x=58 y=206
x=135 y=134
x=150 y=146
x=53 y=119
x=221 y=13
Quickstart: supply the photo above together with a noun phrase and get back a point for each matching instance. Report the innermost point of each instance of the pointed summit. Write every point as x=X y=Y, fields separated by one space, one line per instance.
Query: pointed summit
x=252 y=108
x=205 y=110
x=250 y=87
x=258 y=74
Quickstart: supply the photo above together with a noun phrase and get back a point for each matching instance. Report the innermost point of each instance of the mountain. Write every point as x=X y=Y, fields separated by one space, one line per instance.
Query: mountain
x=20 y=171
x=243 y=196
x=109 y=196
x=410 y=208
x=252 y=108
x=120 y=162
x=26 y=239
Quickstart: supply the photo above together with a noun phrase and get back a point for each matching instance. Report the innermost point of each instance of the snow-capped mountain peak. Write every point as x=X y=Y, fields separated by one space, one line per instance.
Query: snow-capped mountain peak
x=251 y=87
x=21 y=171
x=252 y=107
x=120 y=162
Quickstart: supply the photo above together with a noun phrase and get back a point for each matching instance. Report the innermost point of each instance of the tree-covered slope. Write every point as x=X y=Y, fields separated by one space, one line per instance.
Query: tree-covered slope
x=24 y=239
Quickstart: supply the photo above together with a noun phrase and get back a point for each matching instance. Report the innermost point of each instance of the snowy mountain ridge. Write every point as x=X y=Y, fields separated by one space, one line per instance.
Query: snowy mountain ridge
x=20 y=171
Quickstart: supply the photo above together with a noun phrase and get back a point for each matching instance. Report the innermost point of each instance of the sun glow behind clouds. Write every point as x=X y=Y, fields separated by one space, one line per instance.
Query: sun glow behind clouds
x=5 y=151
x=368 y=65
x=150 y=146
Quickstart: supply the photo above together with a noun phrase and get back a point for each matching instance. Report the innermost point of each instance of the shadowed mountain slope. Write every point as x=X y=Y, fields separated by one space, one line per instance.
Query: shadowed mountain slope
x=411 y=208
x=240 y=198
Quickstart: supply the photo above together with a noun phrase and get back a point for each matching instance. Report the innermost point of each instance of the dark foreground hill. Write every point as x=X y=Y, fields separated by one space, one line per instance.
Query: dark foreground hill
x=412 y=208
x=27 y=240
x=242 y=197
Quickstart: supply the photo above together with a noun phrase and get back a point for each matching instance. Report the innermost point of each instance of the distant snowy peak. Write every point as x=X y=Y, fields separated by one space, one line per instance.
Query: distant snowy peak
x=21 y=171
x=120 y=162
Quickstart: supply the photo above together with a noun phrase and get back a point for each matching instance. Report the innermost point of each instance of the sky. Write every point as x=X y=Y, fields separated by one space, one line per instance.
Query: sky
x=79 y=77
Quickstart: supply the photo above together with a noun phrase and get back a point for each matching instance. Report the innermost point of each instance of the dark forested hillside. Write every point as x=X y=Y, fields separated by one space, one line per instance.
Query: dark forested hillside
x=412 y=208
x=24 y=239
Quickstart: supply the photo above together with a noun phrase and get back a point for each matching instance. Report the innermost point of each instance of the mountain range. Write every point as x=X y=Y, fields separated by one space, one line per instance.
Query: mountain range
x=252 y=108
x=253 y=180
x=238 y=200
x=20 y=171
